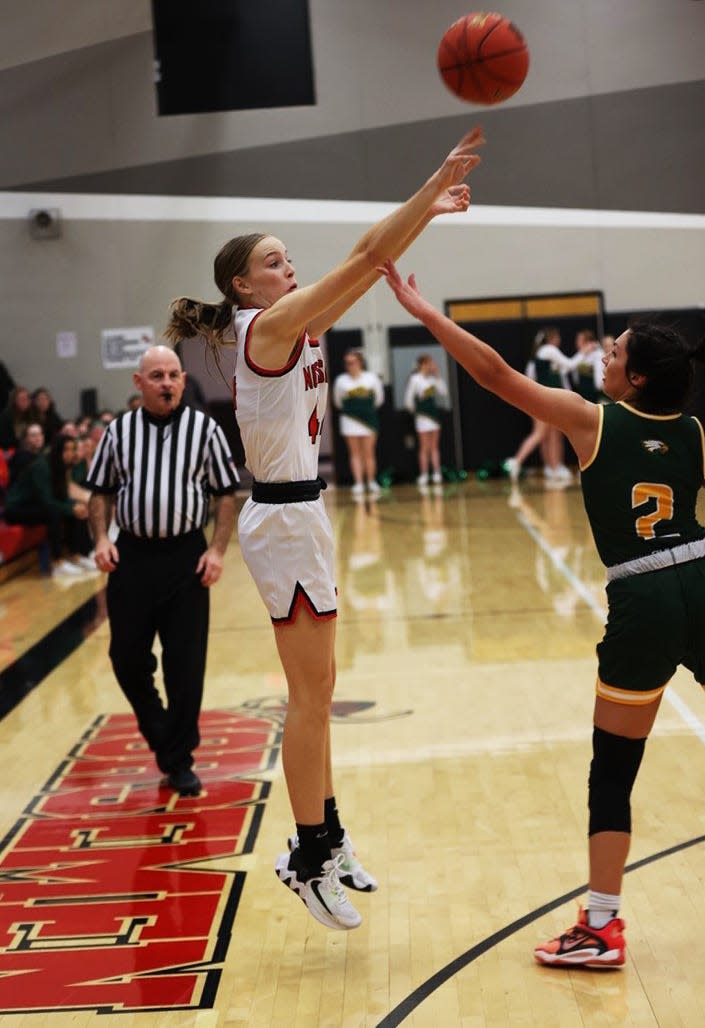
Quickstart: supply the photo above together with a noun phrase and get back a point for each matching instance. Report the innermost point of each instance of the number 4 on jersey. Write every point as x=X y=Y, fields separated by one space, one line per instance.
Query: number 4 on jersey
x=315 y=427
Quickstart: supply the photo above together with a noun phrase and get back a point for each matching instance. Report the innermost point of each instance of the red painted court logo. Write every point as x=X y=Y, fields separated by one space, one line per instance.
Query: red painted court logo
x=118 y=895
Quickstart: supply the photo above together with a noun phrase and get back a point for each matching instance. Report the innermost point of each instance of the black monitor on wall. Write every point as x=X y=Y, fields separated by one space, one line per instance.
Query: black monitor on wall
x=229 y=55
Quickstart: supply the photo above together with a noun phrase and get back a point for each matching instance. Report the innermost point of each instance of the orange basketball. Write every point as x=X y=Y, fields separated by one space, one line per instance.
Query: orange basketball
x=483 y=58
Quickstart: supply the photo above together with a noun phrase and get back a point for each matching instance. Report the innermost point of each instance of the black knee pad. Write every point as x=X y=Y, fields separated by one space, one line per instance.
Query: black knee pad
x=614 y=767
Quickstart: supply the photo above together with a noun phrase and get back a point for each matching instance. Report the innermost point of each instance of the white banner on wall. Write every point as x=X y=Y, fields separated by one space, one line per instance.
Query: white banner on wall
x=123 y=347
x=66 y=344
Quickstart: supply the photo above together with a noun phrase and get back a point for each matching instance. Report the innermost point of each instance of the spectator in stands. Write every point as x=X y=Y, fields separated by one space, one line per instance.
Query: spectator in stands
x=14 y=418
x=70 y=429
x=85 y=449
x=43 y=412
x=96 y=432
x=105 y=417
x=134 y=402
x=83 y=424
x=64 y=462
x=30 y=499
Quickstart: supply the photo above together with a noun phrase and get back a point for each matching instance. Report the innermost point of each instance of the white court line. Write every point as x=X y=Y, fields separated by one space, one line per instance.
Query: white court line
x=682 y=709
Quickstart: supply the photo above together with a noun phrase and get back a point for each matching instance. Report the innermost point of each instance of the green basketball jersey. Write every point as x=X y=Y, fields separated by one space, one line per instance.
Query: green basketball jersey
x=641 y=484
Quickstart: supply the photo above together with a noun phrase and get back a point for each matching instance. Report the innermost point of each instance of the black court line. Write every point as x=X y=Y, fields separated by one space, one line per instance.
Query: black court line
x=25 y=674
x=407 y=1006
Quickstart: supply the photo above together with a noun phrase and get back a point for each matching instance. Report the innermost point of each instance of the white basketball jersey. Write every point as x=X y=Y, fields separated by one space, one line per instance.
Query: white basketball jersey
x=279 y=413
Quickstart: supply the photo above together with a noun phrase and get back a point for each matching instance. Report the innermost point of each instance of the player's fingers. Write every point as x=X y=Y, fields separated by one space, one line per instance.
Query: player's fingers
x=391 y=272
x=462 y=164
x=475 y=137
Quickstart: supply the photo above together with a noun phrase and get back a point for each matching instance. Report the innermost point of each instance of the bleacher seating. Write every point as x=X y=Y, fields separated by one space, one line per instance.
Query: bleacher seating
x=20 y=545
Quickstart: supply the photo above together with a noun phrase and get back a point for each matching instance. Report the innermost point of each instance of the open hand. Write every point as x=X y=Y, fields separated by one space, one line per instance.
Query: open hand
x=461 y=160
x=407 y=293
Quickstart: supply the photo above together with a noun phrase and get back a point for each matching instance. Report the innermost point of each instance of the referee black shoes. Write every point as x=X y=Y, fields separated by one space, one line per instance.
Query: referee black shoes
x=184 y=781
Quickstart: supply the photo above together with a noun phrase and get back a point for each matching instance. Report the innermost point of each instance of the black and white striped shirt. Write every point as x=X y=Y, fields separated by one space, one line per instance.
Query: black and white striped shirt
x=162 y=470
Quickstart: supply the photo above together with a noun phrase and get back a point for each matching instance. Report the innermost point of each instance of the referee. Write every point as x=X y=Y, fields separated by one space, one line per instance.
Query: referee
x=157 y=466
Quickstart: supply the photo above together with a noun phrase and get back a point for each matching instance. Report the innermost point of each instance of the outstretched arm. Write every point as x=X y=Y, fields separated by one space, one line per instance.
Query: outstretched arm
x=455 y=200
x=316 y=307
x=569 y=412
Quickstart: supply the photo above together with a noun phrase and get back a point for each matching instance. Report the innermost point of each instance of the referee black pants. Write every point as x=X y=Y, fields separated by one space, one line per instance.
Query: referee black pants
x=155 y=591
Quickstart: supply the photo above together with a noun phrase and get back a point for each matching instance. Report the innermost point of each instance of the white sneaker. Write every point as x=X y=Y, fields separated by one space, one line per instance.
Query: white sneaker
x=512 y=468
x=358 y=489
x=437 y=478
x=422 y=480
x=65 y=569
x=563 y=474
x=350 y=872
x=374 y=487
x=323 y=895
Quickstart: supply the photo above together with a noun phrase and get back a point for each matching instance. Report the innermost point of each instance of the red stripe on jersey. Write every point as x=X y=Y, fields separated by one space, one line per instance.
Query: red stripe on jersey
x=271 y=372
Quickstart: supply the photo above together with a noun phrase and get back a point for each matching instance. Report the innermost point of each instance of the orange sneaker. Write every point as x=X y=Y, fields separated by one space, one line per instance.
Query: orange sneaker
x=584 y=946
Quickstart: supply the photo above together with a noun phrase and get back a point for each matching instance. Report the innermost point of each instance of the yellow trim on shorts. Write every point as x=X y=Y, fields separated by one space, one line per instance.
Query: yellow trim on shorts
x=629 y=697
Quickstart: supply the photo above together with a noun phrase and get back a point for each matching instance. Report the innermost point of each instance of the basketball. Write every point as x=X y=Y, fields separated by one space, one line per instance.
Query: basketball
x=483 y=58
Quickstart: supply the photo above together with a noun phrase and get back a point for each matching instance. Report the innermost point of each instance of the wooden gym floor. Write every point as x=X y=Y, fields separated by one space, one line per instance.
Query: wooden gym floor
x=468 y=621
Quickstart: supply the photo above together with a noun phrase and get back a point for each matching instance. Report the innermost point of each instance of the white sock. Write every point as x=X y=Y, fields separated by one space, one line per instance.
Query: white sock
x=601 y=908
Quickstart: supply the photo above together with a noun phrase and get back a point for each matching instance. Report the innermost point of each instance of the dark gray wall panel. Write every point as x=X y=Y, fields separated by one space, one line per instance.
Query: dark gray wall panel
x=639 y=150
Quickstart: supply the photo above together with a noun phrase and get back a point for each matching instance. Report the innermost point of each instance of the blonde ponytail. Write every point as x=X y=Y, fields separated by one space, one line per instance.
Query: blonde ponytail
x=189 y=318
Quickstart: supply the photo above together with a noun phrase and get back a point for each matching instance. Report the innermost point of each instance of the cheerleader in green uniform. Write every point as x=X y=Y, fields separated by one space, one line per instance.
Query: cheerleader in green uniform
x=588 y=370
x=425 y=388
x=358 y=393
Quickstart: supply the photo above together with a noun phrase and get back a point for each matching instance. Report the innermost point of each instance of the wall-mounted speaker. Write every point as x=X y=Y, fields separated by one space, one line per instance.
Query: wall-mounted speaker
x=44 y=223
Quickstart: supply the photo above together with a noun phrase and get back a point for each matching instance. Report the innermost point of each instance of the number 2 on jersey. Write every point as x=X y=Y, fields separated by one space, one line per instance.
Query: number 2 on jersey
x=642 y=492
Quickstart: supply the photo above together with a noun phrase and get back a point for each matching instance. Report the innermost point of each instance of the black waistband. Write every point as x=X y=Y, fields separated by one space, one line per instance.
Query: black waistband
x=287 y=492
x=163 y=542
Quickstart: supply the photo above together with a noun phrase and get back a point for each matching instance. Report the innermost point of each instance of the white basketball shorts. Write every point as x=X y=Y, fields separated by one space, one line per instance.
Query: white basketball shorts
x=288 y=549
